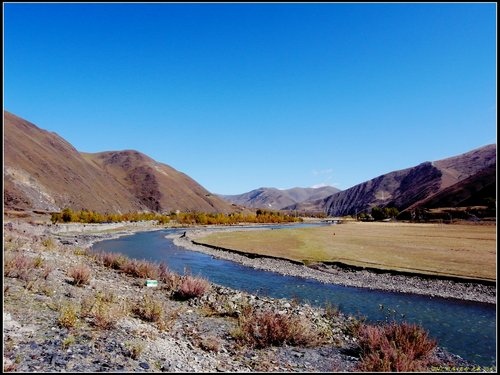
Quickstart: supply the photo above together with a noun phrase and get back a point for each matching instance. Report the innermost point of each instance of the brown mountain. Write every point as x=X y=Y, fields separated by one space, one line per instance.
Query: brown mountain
x=158 y=186
x=408 y=187
x=276 y=199
x=476 y=190
x=44 y=172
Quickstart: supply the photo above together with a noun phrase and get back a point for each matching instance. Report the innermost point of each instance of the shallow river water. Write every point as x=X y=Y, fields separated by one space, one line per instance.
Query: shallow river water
x=464 y=328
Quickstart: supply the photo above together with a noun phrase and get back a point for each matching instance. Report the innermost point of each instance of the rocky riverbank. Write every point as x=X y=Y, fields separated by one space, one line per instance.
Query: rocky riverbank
x=197 y=335
x=357 y=278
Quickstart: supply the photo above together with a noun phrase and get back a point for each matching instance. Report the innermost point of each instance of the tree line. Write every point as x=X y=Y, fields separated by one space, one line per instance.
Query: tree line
x=67 y=215
x=379 y=213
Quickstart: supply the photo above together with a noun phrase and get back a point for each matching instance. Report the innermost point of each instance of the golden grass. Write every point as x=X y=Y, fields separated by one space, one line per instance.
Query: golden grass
x=460 y=250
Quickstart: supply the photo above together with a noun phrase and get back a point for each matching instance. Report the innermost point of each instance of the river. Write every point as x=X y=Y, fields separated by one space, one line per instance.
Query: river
x=464 y=328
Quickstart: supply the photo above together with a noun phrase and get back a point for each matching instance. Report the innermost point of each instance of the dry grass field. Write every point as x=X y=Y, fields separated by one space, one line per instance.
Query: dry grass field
x=458 y=250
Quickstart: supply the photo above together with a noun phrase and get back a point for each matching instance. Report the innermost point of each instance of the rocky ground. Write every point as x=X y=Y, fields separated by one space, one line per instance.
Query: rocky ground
x=197 y=335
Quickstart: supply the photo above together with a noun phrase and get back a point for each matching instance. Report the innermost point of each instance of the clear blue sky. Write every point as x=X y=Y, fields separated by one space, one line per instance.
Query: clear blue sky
x=240 y=96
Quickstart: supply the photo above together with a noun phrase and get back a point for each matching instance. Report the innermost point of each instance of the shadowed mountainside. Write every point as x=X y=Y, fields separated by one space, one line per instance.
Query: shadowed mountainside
x=44 y=172
x=476 y=190
x=158 y=186
x=412 y=187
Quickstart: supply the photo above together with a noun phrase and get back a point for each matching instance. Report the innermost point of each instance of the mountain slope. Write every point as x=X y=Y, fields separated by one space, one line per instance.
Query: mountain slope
x=157 y=186
x=404 y=188
x=276 y=199
x=42 y=171
x=476 y=190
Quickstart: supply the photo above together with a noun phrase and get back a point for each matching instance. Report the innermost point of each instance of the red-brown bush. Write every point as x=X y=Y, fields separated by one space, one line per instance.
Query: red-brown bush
x=80 y=274
x=191 y=287
x=395 y=347
x=263 y=329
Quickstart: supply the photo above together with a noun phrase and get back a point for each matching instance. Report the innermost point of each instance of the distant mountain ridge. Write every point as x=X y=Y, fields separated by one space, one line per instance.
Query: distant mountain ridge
x=44 y=172
x=277 y=199
x=416 y=186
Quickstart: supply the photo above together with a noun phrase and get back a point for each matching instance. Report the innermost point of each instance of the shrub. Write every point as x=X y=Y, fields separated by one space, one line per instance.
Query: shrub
x=105 y=315
x=148 y=309
x=103 y=308
x=68 y=316
x=68 y=341
x=168 y=320
x=80 y=274
x=395 y=347
x=191 y=287
x=47 y=270
x=170 y=280
x=164 y=274
x=135 y=348
x=331 y=311
x=210 y=344
x=87 y=305
x=132 y=267
x=9 y=243
x=80 y=251
x=147 y=270
x=267 y=328
x=129 y=266
x=354 y=325
x=48 y=243
x=10 y=265
x=140 y=268
x=47 y=289
x=18 y=266
x=38 y=262
x=112 y=260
